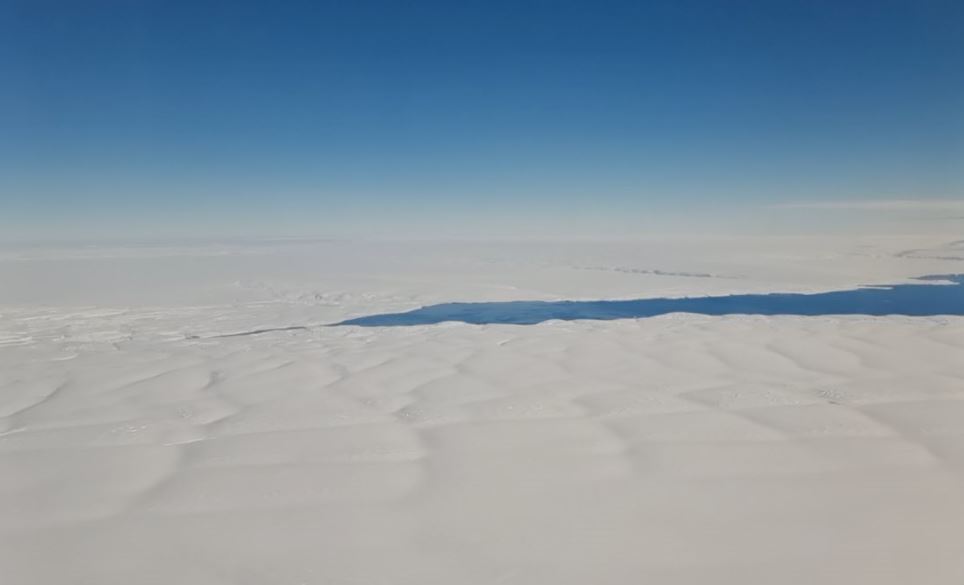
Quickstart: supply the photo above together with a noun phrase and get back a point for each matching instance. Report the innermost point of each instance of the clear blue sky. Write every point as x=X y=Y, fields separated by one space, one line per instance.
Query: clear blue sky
x=137 y=116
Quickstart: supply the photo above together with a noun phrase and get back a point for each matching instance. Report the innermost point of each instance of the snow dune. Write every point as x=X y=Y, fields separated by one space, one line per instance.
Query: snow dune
x=143 y=441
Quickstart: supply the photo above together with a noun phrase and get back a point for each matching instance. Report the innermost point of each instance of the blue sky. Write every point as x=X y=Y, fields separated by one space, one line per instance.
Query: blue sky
x=367 y=118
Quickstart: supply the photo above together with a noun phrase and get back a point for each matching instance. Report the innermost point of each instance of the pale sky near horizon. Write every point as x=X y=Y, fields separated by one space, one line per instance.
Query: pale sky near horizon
x=471 y=118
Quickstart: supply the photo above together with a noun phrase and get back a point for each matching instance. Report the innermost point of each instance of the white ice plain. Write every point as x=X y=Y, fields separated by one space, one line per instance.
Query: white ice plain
x=143 y=442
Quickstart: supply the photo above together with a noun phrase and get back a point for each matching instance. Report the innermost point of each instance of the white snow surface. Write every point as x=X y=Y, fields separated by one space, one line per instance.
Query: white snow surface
x=152 y=431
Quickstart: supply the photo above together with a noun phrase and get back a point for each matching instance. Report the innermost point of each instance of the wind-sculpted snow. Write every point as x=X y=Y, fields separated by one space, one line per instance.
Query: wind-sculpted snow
x=909 y=299
x=235 y=442
x=678 y=449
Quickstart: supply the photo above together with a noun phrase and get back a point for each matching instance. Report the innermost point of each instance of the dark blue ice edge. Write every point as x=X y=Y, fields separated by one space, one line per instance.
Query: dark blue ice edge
x=913 y=300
